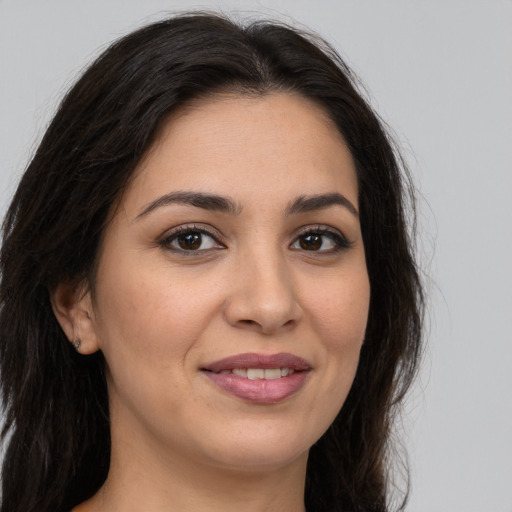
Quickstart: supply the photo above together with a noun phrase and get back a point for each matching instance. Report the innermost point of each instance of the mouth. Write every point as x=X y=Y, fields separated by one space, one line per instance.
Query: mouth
x=259 y=378
x=281 y=361
x=259 y=373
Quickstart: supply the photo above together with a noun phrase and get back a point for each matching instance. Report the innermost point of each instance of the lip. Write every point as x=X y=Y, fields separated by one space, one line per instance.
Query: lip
x=255 y=360
x=258 y=391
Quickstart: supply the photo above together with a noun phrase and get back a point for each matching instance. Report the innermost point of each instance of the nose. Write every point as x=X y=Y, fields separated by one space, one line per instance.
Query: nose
x=263 y=297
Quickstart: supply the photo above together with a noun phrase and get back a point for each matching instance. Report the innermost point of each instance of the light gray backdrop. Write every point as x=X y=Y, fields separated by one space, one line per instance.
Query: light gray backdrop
x=440 y=72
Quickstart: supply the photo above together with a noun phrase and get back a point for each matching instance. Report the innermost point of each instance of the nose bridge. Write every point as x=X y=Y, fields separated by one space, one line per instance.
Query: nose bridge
x=264 y=296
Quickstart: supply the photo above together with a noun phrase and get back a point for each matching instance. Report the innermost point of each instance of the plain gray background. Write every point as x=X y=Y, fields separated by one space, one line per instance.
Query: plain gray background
x=440 y=73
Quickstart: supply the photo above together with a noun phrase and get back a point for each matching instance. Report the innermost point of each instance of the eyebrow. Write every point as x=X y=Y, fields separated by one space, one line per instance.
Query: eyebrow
x=210 y=202
x=213 y=202
x=304 y=204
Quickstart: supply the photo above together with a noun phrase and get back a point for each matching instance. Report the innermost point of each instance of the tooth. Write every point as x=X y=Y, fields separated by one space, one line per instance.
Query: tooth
x=241 y=372
x=291 y=371
x=255 y=373
x=225 y=372
x=284 y=372
x=272 y=373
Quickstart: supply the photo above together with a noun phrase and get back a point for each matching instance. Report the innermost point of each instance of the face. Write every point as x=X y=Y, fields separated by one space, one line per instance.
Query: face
x=231 y=295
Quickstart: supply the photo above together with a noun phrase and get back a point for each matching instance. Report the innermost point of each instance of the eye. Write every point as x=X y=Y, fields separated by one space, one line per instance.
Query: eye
x=191 y=239
x=320 y=240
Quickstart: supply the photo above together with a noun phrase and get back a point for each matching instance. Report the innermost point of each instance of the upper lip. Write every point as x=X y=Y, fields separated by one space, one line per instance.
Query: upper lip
x=254 y=360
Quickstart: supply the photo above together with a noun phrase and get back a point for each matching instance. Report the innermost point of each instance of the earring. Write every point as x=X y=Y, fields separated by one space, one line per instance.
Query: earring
x=76 y=343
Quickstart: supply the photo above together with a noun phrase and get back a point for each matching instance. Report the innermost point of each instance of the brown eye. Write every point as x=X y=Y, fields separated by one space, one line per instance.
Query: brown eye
x=189 y=241
x=321 y=240
x=311 y=242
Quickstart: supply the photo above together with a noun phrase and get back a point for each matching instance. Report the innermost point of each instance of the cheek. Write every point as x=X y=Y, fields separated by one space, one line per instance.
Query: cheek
x=150 y=318
x=147 y=326
x=340 y=310
x=339 y=318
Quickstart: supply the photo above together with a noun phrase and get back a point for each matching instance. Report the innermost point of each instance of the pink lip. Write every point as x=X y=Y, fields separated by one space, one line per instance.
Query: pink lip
x=253 y=360
x=259 y=391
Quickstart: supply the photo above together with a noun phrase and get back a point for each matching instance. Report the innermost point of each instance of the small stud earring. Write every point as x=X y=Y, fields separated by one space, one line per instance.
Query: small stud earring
x=76 y=343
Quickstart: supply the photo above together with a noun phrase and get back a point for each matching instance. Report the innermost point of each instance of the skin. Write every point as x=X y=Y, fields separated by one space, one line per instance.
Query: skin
x=160 y=314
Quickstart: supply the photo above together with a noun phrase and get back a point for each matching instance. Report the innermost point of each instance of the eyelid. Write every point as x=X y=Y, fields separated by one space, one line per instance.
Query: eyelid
x=171 y=234
x=319 y=228
x=338 y=237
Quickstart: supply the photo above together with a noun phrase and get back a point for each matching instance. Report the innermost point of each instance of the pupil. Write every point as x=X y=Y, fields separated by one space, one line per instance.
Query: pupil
x=311 y=242
x=190 y=241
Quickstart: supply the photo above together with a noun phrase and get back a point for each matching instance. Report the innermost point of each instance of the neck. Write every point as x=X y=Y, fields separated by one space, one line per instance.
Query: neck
x=145 y=478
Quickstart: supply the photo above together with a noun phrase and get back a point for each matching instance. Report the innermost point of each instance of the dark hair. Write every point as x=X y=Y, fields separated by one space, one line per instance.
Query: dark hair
x=55 y=401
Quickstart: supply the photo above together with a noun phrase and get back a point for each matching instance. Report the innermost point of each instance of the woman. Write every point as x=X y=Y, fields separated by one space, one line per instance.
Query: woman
x=209 y=297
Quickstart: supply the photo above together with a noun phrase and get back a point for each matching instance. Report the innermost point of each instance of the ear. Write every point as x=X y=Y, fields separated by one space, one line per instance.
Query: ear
x=72 y=306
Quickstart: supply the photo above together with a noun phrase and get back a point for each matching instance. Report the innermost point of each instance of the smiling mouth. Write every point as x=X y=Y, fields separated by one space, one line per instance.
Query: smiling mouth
x=259 y=373
x=259 y=378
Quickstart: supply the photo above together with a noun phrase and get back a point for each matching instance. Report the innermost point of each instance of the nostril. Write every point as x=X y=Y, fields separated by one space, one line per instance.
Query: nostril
x=264 y=327
x=248 y=322
x=267 y=312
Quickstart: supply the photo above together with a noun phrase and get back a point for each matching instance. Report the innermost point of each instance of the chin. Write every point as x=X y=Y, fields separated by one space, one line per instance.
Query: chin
x=259 y=461
x=264 y=450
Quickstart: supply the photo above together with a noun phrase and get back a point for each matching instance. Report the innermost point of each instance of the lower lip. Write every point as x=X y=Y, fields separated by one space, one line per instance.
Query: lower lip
x=260 y=391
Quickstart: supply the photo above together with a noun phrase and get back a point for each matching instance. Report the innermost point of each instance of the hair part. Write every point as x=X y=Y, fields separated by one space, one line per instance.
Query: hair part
x=56 y=403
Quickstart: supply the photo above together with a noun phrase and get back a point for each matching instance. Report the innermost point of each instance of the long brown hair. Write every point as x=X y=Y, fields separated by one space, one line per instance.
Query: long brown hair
x=55 y=402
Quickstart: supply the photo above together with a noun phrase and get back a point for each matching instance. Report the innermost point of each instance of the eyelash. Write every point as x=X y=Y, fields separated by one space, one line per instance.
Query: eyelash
x=338 y=239
x=186 y=230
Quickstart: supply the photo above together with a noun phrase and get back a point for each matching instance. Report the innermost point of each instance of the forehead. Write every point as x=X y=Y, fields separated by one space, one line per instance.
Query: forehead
x=280 y=143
